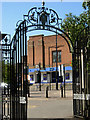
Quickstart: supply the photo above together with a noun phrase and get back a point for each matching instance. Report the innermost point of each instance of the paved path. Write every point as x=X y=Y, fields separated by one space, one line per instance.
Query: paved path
x=52 y=107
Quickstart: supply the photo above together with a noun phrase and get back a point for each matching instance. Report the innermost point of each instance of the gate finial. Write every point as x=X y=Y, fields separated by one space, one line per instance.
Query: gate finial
x=43 y=3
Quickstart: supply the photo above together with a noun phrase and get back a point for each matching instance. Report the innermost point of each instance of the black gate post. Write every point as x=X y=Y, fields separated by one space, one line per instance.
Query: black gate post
x=56 y=64
x=64 y=80
x=0 y=77
x=39 y=73
x=88 y=54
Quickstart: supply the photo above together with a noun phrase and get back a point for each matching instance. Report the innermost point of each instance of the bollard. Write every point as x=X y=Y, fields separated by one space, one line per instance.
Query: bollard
x=47 y=92
x=40 y=87
x=61 y=91
x=28 y=91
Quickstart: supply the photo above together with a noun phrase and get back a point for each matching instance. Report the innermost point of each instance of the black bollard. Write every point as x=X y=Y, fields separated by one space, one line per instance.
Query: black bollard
x=28 y=91
x=47 y=92
x=39 y=86
x=61 y=91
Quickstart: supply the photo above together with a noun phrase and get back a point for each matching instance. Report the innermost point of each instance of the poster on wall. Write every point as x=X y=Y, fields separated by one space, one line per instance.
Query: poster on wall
x=67 y=76
x=31 y=77
x=44 y=76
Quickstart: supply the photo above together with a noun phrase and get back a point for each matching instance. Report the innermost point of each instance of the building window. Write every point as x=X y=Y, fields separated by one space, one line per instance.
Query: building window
x=67 y=76
x=58 y=56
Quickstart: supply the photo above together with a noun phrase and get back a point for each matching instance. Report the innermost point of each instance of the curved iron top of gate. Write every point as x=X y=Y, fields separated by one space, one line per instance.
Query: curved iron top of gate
x=43 y=18
x=82 y=39
x=43 y=15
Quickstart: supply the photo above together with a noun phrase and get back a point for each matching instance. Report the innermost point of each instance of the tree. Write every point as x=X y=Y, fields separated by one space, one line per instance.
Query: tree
x=86 y=4
x=73 y=24
x=5 y=72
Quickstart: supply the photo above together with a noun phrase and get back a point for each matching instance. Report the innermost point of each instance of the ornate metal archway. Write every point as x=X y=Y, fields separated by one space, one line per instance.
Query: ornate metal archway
x=40 y=18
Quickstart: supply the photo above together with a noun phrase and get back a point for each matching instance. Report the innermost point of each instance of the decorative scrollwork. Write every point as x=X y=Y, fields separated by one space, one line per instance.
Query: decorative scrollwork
x=32 y=15
x=42 y=16
x=17 y=24
x=53 y=17
x=5 y=42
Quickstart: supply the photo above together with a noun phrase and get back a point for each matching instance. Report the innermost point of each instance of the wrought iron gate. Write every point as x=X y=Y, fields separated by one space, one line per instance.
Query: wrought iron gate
x=46 y=19
x=37 y=19
x=81 y=74
x=18 y=81
x=5 y=46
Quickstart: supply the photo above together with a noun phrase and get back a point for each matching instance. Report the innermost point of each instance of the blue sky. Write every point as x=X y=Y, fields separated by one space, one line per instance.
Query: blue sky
x=14 y=11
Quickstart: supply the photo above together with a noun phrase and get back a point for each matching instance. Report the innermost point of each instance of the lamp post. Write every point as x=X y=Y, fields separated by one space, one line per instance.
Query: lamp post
x=56 y=64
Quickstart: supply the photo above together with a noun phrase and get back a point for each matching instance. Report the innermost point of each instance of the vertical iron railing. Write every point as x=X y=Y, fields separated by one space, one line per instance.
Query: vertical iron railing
x=19 y=73
x=80 y=75
x=6 y=77
x=56 y=64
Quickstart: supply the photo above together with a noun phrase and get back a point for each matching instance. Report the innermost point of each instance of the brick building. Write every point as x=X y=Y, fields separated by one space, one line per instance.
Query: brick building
x=42 y=49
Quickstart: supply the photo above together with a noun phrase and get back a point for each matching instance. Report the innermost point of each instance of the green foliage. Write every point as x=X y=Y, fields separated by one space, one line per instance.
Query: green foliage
x=86 y=4
x=5 y=72
x=73 y=24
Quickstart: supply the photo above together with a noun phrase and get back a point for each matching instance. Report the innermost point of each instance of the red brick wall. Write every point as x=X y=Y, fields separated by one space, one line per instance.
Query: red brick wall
x=38 y=54
x=49 y=45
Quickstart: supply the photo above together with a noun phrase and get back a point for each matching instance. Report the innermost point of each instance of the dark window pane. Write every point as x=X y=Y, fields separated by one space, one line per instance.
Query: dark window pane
x=59 y=56
x=54 y=57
